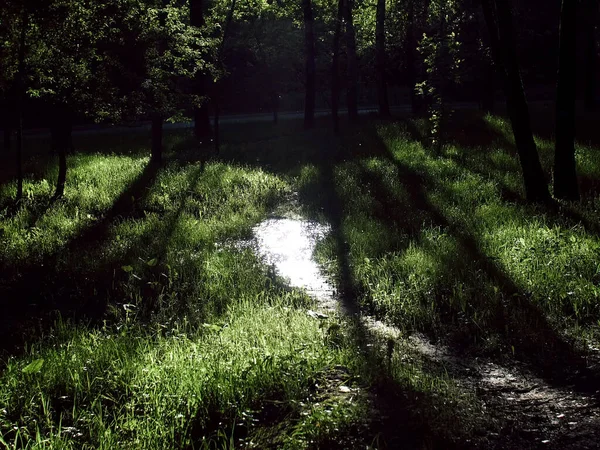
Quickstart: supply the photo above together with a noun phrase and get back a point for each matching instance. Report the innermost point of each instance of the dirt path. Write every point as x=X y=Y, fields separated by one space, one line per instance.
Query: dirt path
x=526 y=410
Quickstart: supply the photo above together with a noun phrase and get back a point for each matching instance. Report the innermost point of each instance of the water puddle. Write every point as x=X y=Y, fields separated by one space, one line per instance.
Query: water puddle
x=288 y=245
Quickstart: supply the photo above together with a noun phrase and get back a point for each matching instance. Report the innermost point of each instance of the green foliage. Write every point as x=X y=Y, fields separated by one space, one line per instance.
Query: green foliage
x=440 y=48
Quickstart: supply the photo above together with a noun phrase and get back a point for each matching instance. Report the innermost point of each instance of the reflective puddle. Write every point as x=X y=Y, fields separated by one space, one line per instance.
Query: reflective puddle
x=288 y=245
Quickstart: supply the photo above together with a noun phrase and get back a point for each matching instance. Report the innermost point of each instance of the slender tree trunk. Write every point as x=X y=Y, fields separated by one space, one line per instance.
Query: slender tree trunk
x=352 y=93
x=382 y=94
x=157 y=138
x=7 y=136
x=488 y=88
x=565 y=175
x=275 y=106
x=591 y=55
x=498 y=17
x=411 y=57
x=202 y=128
x=310 y=64
x=62 y=142
x=197 y=13
x=335 y=75
x=19 y=153
x=19 y=102
x=217 y=134
x=217 y=87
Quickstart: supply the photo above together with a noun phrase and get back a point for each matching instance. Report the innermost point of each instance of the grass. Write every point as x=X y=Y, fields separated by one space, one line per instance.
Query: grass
x=136 y=320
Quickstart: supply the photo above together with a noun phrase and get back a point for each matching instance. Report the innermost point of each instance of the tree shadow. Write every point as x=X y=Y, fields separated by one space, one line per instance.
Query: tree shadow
x=522 y=325
x=34 y=295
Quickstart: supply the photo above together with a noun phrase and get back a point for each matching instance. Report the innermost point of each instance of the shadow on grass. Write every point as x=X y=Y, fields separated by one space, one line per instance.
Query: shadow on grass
x=33 y=296
x=521 y=324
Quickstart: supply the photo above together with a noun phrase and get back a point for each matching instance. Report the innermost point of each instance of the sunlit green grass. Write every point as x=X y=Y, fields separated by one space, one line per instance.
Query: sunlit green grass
x=200 y=345
x=433 y=240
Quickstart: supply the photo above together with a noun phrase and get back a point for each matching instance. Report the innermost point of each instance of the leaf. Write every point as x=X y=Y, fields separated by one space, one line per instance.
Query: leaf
x=127 y=269
x=34 y=367
x=152 y=262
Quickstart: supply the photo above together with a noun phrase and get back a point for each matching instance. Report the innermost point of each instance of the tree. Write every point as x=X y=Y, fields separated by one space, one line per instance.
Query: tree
x=591 y=53
x=352 y=62
x=382 y=95
x=498 y=17
x=565 y=175
x=202 y=128
x=310 y=64
x=20 y=94
x=335 y=76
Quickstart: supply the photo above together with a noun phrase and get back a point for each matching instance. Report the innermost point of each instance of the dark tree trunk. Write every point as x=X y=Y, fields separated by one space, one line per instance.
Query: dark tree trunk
x=335 y=75
x=20 y=93
x=591 y=55
x=157 y=138
x=488 y=88
x=382 y=94
x=411 y=44
x=565 y=174
x=202 y=129
x=498 y=16
x=19 y=153
x=62 y=142
x=197 y=13
x=275 y=106
x=7 y=136
x=310 y=64
x=217 y=87
x=352 y=62
x=217 y=134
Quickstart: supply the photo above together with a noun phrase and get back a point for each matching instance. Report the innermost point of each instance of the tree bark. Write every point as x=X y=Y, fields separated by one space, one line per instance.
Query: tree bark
x=565 y=174
x=498 y=16
x=335 y=75
x=488 y=88
x=20 y=93
x=197 y=13
x=591 y=55
x=382 y=95
x=275 y=106
x=352 y=92
x=61 y=131
x=7 y=137
x=157 y=138
x=310 y=64
x=217 y=129
x=202 y=128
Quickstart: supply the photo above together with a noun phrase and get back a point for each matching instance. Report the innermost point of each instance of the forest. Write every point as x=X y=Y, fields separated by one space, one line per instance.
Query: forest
x=300 y=224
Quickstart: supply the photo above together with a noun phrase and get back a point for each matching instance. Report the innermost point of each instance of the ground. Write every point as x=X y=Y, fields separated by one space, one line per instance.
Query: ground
x=144 y=310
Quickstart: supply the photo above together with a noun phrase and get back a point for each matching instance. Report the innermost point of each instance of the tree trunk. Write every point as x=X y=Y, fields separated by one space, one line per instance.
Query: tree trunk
x=565 y=175
x=7 y=136
x=157 y=138
x=275 y=106
x=382 y=95
x=217 y=134
x=591 y=55
x=411 y=44
x=335 y=76
x=197 y=13
x=310 y=64
x=488 y=88
x=20 y=93
x=352 y=93
x=498 y=17
x=61 y=130
x=202 y=129
x=19 y=153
